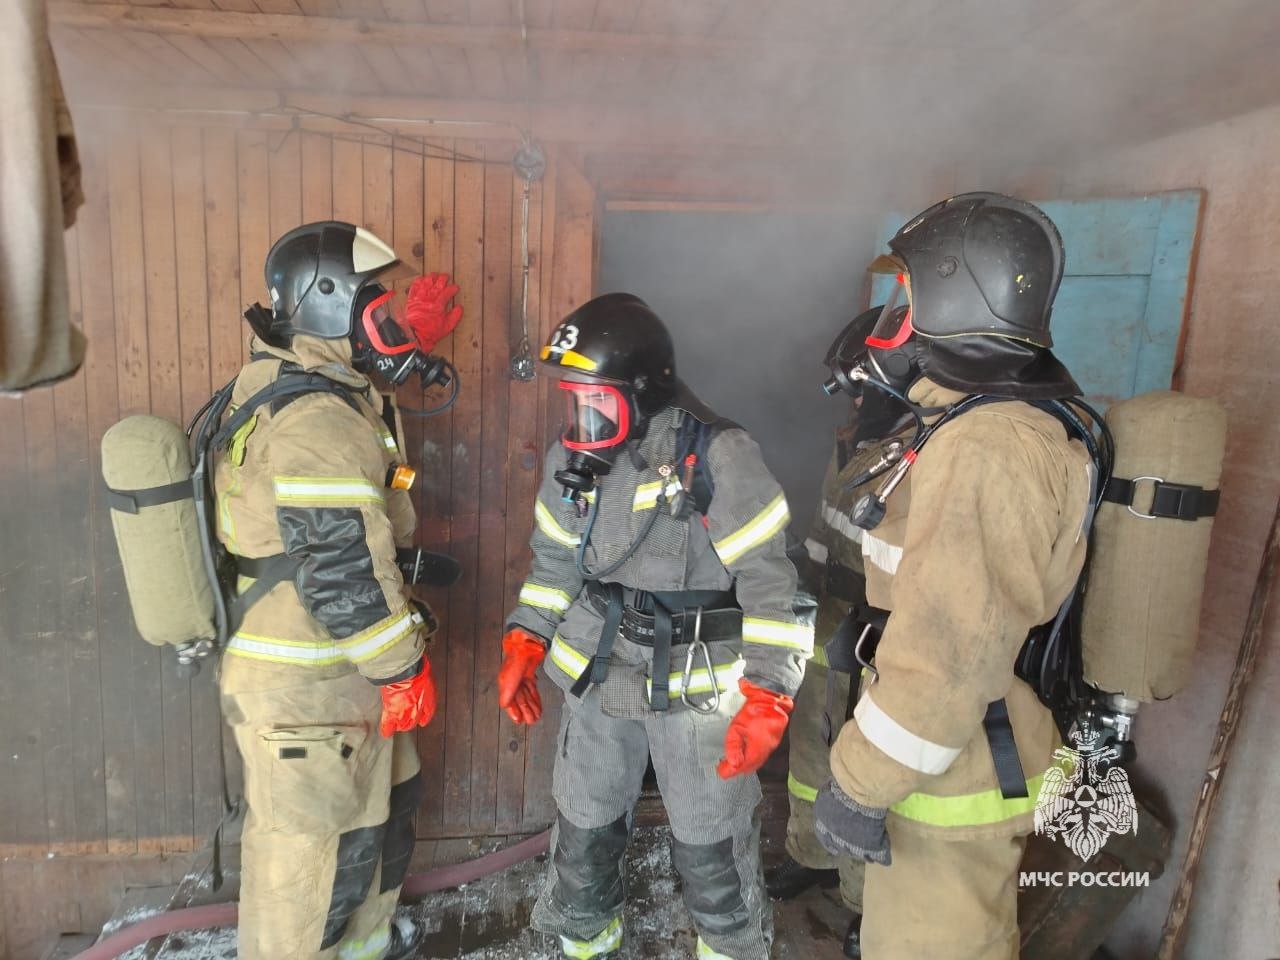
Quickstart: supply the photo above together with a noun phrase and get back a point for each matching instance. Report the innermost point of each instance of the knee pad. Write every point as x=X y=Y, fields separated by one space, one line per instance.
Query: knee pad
x=357 y=860
x=712 y=887
x=397 y=847
x=588 y=870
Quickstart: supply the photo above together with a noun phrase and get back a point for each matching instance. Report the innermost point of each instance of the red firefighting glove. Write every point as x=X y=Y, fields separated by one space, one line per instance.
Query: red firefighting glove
x=755 y=730
x=522 y=654
x=425 y=309
x=408 y=703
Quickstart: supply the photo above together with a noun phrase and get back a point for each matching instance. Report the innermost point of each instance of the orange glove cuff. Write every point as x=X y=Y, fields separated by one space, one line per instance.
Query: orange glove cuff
x=755 y=730
x=520 y=643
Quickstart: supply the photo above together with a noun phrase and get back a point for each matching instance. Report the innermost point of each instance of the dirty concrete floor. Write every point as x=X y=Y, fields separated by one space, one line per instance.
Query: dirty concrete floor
x=488 y=920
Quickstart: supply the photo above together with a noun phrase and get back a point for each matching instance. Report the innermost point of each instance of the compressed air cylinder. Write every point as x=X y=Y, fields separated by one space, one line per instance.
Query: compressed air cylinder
x=159 y=544
x=1146 y=575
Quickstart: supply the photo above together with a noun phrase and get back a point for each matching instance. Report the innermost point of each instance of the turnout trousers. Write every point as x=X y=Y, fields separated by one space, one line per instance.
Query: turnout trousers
x=329 y=831
x=943 y=899
x=809 y=767
x=599 y=767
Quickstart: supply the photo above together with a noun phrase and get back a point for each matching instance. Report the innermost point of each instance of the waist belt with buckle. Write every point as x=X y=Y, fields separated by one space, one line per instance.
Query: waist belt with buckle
x=657 y=619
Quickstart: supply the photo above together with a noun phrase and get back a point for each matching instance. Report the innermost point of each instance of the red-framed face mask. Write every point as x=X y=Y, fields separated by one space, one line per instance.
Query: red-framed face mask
x=384 y=325
x=893 y=329
x=597 y=416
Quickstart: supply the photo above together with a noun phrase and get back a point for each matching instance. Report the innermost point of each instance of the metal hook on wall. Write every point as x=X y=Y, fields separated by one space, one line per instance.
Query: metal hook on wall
x=530 y=164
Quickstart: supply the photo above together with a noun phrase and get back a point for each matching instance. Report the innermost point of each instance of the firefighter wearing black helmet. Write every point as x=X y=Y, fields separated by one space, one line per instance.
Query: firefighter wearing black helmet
x=325 y=674
x=971 y=535
x=662 y=603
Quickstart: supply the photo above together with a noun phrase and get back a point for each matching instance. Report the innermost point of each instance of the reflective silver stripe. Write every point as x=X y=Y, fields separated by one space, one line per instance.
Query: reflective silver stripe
x=547 y=524
x=566 y=658
x=646 y=496
x=700 y=681
x=817 y=551
x=881 y=553
x=895 y=740
x=284 y=651
x=326 y=490
x=777 y=633
x=370 y=643
x=535 y=595
x=755 y=531
x=840 y=523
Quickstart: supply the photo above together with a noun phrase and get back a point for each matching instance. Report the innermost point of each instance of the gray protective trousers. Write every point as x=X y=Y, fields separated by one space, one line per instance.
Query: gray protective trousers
x=600 y=763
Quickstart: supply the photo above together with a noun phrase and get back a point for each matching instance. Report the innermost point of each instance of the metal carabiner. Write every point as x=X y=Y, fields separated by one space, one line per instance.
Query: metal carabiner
x=712 y=705
x=857 y=653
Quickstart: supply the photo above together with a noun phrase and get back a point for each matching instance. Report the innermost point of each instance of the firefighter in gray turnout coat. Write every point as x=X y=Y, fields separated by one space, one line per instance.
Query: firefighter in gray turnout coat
x=665 y=608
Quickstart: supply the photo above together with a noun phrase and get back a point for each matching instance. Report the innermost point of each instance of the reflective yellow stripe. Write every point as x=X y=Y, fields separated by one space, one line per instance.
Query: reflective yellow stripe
x=374 y=640
x=699 y=682
x=800 y=790
x=819 y=657
x=276 y=650
x=363 y=646
x=547 y=524
x=610 y=938
x=968 y=810
x=706 y=953
x=566 y=658
x=370 y=948
x=388 y=440
x=326 y=490
x=777 y=633
x=756 y=531
x=646 y=497
x=535 y=595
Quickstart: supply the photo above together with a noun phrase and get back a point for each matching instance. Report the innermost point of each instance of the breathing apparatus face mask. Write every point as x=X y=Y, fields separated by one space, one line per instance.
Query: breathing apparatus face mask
x=383 y=341
x=886 y=354
x=597 y=424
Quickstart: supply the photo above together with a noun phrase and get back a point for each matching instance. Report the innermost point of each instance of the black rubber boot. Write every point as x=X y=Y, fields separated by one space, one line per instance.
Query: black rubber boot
x=405 y=937
x=853 y=938
x=789 y=878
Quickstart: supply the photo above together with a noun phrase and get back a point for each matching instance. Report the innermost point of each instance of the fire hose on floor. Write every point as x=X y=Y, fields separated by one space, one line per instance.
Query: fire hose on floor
x=225 y=914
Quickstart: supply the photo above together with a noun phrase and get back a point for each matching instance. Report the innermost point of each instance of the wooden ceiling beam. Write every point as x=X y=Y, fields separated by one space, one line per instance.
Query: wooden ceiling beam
x=298 y=28
x=621 y=130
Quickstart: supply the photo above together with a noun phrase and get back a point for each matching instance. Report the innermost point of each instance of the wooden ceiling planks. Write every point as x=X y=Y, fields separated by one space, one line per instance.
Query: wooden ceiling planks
x=252 y=69
x=488 y=80
x=616 y=17
x=575 y=14
x=447 y=11
x=493 y=13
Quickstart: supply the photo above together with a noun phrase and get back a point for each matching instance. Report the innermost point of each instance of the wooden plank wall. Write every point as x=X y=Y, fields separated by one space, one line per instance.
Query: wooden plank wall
x=107 y=750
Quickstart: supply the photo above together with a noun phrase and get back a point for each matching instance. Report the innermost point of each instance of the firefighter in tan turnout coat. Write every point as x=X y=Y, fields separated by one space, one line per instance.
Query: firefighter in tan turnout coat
x=325 y=674
x=968 y=543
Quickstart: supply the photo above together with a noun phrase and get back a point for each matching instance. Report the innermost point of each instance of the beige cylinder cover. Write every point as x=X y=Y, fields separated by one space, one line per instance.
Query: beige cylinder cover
x=1146 y=576
x=159 y=545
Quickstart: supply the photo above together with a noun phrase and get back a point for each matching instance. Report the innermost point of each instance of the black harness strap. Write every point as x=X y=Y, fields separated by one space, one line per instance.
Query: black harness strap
x=598 y=667
x=1004 y=750
x=660 y=696
x=266 y=572
x=131 y=501
x=1169 y=501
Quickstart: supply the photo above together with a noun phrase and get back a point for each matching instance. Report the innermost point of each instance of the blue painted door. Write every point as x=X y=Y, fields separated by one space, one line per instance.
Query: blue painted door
x=1117 y=322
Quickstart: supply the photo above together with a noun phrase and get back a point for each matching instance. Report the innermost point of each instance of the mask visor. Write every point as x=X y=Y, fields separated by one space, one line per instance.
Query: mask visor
x=894 y=326
x=383 y=322
x=598 y=416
